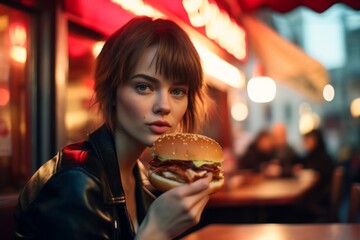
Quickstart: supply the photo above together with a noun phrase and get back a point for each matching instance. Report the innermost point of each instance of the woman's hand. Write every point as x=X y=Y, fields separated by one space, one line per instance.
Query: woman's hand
x=175 y=211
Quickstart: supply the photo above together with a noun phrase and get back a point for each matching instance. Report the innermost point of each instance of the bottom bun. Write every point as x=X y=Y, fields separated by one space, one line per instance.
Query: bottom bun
x=163 y=184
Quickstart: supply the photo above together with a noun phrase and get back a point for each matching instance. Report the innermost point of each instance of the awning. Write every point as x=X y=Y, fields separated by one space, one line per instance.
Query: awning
x=283 y=61
x=280 y=59
x=248 y=6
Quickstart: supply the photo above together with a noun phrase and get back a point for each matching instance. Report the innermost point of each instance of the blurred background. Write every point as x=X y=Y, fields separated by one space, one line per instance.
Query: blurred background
x=290 y=63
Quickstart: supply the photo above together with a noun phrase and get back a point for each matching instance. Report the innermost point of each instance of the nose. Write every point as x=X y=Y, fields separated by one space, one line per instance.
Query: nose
x=162 y=104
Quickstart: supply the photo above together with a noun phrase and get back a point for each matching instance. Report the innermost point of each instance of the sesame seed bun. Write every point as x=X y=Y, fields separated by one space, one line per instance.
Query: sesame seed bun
x=187 y=147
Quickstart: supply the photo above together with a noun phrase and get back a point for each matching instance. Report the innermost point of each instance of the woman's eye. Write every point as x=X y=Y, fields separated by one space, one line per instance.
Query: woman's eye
x=179 y=92
x=142 y=87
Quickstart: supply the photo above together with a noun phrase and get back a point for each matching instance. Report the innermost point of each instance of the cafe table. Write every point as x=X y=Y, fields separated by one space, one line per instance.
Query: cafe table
x=277 y=232
x=256 y=189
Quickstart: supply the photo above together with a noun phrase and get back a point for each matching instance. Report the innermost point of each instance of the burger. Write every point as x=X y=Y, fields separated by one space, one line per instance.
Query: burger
x=181 y=158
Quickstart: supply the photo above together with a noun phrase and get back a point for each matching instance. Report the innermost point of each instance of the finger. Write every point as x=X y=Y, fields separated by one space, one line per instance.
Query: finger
x=196 y=187
x=199 y=207
x=193 y=200
x=196 y=197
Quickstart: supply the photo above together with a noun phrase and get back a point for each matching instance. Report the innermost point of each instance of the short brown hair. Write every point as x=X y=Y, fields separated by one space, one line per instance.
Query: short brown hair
x=176 y=59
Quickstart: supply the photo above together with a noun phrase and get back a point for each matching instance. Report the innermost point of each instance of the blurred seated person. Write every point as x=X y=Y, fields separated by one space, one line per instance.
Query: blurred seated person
x=318 y=159
x=285 y=155
x=258 y=153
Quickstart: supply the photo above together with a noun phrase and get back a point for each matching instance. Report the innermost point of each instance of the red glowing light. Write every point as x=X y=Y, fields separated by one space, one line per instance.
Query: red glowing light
x=4 y=96
x=17 y=34
x=89 y=83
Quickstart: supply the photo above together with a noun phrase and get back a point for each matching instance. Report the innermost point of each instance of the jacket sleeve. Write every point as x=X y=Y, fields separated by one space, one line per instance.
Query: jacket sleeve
x=68 y=206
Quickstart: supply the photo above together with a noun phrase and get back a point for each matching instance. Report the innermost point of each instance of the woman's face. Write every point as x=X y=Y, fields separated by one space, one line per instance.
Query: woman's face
x=148 y=105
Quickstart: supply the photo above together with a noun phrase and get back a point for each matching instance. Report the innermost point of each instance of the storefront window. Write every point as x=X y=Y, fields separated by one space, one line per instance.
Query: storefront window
x=15 y=108
x=81 y=115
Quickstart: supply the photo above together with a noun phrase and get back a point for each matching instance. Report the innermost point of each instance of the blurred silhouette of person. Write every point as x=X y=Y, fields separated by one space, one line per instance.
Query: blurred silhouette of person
x=259 y=152
x=285 y=154
x=318 y=159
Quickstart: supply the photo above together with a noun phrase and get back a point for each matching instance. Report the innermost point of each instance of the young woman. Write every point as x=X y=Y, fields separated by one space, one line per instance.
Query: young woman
x=148 y=82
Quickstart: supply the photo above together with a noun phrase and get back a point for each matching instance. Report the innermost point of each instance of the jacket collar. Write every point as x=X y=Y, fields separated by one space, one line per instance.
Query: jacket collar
x=103 y=143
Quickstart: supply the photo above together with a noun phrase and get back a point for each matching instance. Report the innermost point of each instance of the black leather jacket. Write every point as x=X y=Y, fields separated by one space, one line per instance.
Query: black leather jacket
x=78 y=195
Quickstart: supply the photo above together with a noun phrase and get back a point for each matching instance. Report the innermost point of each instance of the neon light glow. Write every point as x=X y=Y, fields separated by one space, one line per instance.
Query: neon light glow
x=17 y=35
x=218 y=25
x=219 y=69
x=138 y=7
x=4 y=96
x=18 y=54
x=97 y=48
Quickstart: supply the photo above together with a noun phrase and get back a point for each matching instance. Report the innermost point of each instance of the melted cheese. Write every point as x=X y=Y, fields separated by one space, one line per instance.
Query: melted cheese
x=199 y=163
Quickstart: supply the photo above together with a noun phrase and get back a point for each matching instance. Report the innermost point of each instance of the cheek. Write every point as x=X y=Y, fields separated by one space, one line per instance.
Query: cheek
x=132 y=107
x=130 y=110
x=180 y=109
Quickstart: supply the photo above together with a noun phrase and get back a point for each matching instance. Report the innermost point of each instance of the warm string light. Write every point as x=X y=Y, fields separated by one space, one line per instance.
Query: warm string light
x=18 y=37
x=328 y=92
x=239 y=111
x=138 y=7
x=18 y=54
x=308 y=120
x=355 y=107
x=219 y=69
x=261 y=89
x=218 y=26
x=4 y=96
x=96 y=49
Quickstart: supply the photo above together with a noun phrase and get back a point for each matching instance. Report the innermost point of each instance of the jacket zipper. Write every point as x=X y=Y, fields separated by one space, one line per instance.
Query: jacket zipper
x=116 y=223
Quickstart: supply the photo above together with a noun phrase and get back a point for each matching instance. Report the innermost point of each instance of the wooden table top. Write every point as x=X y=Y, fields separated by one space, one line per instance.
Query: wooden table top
x=278 y=232
x=259 y=190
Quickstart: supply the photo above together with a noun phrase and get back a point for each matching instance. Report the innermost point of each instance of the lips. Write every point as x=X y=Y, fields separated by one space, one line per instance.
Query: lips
x=159 y=127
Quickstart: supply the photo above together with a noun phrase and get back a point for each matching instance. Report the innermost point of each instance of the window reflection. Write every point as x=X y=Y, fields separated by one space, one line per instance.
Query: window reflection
x=81 y=113
x=15 y=108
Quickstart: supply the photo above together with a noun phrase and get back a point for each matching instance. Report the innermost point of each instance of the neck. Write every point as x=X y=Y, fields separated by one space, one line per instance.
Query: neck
x=128 y=151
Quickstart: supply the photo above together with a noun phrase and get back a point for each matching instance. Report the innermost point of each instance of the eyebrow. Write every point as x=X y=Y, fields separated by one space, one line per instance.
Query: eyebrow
x=147 y=77
x=153 y=79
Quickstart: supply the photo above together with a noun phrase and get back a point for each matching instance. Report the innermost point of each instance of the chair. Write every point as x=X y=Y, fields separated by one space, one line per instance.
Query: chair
x=7 y=209
x=331 y=213
x=336 y=193
x=354 y=204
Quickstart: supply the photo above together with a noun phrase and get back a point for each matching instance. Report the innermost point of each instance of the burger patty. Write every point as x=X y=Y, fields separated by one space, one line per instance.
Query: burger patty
x=179 y=168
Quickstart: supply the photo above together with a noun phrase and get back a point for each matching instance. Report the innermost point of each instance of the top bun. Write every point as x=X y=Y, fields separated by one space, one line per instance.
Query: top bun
x=187 y=147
